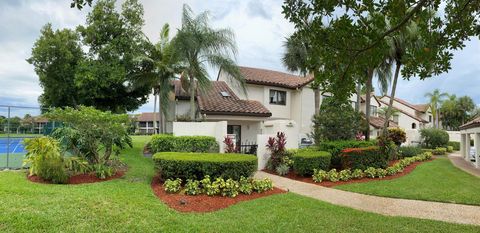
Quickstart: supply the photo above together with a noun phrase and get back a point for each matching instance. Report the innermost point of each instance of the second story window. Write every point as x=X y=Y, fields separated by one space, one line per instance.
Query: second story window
x=278 y=97
x=373 y=110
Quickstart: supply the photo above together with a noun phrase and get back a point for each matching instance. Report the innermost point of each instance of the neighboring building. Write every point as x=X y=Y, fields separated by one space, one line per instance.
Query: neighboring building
x=39 y=123
x=144 y=123
x=411 y=116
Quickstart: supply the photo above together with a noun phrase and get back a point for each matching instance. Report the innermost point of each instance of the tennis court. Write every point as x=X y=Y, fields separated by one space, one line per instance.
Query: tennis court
x=12 y=152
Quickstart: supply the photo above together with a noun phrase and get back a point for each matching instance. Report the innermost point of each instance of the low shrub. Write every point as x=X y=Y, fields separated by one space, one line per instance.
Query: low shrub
x=391 y=170
x=455 y=145
x=370 y=172
x=103 y=171
x=333 y=175
x=362 y=158
x=358 y=174
x=319 y=175
x=306 y=160
x=192 y=187
x=52 y=170
x=172 y=185
x=282 y=169
x=439 y=151
x=381 y=173
x=245 y=185
x=345 y=175
x=261 y=186
x=229 y=188
x=433 y=138
x=409 y=151
x=170 y=143
x=197 y=165
x=449 y=149
x=335 y=148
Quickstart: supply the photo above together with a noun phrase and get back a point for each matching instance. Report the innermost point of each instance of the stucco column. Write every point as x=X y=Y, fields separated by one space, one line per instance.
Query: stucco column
x=462 y=144
x=467 y=147
x=477 y=149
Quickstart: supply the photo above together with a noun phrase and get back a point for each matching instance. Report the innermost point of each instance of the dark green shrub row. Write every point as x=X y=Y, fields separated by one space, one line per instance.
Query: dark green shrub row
x=433 y=138
x=455 y=145
x=306 y=160
x=168 y=143
x=336 y=147
x=172 y=165
x=362 y=158
x=409 y=151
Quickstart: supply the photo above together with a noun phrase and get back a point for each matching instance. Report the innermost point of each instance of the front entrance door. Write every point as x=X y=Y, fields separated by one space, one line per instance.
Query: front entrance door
x=237 y=130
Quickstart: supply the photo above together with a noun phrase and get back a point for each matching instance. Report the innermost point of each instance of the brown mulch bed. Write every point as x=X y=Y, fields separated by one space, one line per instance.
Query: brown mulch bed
x=79 y=179
x=407 y=170
x=202 y=203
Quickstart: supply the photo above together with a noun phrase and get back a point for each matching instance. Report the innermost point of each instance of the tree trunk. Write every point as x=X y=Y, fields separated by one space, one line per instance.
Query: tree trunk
x=367 y=102
x=192 y=98
x=390 y=103
x=317 y=100
x=359 y=92
x=154 y=112
x=160 y=114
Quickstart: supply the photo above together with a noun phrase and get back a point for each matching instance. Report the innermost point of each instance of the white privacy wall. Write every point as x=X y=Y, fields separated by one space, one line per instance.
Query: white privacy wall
x=214 y=129
x=454 y=136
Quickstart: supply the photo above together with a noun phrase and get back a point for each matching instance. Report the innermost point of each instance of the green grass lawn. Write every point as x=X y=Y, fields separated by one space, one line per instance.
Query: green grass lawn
x=437 y=180
x=128 y=205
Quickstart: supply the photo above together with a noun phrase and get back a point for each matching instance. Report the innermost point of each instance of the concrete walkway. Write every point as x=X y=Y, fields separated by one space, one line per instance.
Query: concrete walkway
x=453 y=213
x=458 y=161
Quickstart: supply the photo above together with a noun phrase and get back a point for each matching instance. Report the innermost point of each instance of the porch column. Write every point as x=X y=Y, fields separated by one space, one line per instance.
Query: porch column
x=467 y=147
x=476 y=143
x=462 y=145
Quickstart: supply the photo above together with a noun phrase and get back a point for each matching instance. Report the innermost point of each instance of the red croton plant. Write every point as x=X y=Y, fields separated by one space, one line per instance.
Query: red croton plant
x=229 y=145
x=276 y=145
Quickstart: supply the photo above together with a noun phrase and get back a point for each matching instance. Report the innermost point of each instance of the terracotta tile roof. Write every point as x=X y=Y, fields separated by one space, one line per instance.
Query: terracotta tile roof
x=422 y=107
x=146 y=116
x=406 y=113
x=212 y=102
x=417 y=107
x=363 y=97
x=274 y=78
x=471 y=124
x=40 y=119
x=378 y=122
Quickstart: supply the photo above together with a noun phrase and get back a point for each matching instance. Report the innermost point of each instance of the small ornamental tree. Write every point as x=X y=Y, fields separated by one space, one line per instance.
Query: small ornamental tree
x=337 y=121
x=276 y=145
x=397 y=135
x=91 y=133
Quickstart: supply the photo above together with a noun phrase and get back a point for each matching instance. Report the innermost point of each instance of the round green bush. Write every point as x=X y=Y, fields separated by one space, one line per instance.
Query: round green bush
x=306 y=160
x=172 y=165
x=433 y=138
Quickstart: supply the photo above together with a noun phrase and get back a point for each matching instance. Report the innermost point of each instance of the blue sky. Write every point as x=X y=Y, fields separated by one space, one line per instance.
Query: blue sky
x=259 y=26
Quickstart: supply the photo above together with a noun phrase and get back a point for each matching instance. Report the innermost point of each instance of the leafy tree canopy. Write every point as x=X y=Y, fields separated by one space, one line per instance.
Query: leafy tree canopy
x=349 y=36
x=101 y=76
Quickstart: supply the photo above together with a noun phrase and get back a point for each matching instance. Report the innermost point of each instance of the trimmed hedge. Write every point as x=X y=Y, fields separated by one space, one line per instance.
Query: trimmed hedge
x=362 y=158
x=306 y=160
x=169 y=143
x=455 y=145
x=433 y=138
x=409 y=151
x=335 y=148
x=172 y=165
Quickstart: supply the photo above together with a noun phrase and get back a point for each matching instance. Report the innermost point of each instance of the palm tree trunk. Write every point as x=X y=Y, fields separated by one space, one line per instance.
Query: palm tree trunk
x=390 y=103
x=154 y=112
x=359 y=92
x=192 y=98
x=160 y=114
x=367 y=102
x=317 y=100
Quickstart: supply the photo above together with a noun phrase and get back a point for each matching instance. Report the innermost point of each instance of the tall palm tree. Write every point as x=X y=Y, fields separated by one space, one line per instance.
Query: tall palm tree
x=159 y=67
x=399 y=44
x=199 y=45
x=299 y=57
x=436 y=98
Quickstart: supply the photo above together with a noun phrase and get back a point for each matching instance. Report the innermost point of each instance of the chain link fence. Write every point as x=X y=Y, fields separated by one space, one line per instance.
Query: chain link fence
x=17 y=124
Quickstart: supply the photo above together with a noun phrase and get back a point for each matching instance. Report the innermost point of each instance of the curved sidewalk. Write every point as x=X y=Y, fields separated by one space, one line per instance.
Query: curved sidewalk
x=454 y=213
x=459 y=162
